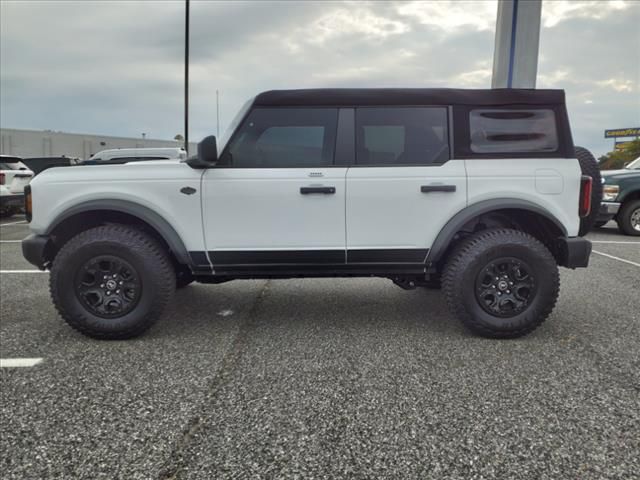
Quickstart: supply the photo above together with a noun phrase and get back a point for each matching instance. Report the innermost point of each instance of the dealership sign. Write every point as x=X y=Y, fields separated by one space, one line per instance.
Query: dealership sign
x=622 y=132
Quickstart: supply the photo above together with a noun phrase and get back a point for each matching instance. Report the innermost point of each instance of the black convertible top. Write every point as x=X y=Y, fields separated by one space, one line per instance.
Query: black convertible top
x=408 y=96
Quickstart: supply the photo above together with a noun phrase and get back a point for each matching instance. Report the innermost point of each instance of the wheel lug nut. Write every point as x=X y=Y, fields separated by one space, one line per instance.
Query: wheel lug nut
x=117 y=291
x=120 y=282
x=115 y=275
x=102 y=285
x=508 y=291
x=108 y=292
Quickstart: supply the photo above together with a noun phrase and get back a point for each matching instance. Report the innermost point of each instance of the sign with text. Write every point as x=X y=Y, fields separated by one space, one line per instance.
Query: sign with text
x=620 y=146
x=622 y=132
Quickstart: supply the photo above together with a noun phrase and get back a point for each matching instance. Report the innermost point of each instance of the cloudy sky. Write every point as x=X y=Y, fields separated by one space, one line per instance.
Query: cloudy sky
x=116 y=67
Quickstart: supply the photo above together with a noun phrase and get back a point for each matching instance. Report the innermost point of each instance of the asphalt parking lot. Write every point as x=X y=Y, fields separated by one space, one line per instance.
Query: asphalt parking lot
x=325 y=379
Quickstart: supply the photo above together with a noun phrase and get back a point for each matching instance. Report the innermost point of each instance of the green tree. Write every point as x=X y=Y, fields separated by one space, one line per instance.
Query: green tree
x=618 y=158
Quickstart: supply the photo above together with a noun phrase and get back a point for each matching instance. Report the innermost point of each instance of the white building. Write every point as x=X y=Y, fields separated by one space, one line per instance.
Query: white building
x=47 y=143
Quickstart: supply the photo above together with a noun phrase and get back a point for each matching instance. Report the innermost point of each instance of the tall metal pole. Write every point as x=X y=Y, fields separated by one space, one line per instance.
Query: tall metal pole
x=515 y=54
x=186 y=77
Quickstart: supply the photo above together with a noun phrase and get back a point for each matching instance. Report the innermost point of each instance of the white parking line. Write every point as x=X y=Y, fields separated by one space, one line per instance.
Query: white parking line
x=13 y=223
x=10 y=241
x=24 y=271
x=617 y=258
x=615 y=242
x=19 y=362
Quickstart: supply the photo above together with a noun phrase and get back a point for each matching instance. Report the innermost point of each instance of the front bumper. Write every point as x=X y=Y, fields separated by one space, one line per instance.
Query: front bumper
x=574 y=252
x=34 y=249
x=13 y=200
x=608 y=210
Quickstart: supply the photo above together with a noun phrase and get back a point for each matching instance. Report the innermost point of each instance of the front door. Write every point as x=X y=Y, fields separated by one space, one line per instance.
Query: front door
x=275 y=200
x=403 y=187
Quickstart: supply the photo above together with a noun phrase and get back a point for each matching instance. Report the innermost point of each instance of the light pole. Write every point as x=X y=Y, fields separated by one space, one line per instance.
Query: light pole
x=515 y=54
x=186 y=77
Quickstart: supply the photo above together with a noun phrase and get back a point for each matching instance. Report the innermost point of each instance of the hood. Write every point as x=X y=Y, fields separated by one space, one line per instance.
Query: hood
x=624 y=173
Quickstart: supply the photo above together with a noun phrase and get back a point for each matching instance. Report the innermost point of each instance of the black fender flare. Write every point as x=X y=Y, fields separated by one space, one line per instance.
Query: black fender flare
x=442 y=241
x=156 y=221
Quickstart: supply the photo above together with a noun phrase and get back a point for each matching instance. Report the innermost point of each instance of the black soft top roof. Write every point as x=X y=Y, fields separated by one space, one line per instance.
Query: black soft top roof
x=408 y=96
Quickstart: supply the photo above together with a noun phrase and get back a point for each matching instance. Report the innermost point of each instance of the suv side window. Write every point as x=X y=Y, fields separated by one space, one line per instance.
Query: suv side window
x=513 y=130
x=284 y=138
x=401 y=136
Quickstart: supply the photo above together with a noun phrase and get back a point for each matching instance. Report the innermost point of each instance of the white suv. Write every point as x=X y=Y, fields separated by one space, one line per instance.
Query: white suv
x=480 y=192
x=14 y=176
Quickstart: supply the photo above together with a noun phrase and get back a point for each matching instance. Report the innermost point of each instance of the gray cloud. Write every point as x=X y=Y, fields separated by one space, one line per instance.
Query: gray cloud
x=116 y=67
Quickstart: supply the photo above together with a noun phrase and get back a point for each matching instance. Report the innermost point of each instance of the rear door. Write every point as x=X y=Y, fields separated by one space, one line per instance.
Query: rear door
x=403 y=187
x=276 y=199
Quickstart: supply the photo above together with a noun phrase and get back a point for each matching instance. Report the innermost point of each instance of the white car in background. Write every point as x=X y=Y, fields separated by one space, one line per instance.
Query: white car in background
x=14 y=176
x=126 y=155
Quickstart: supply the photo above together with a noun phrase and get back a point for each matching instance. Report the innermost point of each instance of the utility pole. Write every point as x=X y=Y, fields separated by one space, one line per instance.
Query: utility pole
x=186 y=77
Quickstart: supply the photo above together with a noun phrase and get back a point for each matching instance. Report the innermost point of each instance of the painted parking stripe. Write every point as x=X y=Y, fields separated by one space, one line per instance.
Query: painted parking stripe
x=23 y=222
x=615 y=242
x=24 y=271
x=19 y=362
x=10 y=241
x=617 y=258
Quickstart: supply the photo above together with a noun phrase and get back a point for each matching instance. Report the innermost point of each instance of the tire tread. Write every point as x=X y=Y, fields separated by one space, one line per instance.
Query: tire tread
x=473 y=246
x=132 y=238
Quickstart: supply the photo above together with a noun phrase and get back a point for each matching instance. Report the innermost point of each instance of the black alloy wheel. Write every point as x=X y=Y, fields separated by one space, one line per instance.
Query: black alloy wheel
x=505 y=287
x=108 y=286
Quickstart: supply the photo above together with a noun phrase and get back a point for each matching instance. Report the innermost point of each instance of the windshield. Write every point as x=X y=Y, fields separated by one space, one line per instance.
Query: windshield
x=224 y=138
x=635 y=165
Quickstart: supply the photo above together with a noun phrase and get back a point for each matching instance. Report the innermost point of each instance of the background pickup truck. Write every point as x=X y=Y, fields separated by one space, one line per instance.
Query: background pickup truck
x=621 y=198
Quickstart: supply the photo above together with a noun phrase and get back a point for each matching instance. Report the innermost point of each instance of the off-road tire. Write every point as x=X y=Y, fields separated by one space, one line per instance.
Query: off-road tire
x=145 y=254
x=624 y=216
x=589 y=166
x=472 y=255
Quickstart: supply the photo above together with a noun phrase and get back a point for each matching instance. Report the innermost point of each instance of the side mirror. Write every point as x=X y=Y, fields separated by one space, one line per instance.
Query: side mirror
x=207 y=153
x=208 y=150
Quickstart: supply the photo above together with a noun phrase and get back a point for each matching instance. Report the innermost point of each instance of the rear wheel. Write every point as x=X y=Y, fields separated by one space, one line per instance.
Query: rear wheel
x=628 y=218
x=501 y=283
x=111 y=282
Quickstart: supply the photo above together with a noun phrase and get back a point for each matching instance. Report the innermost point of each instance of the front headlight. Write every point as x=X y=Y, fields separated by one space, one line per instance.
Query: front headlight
x=610 y=192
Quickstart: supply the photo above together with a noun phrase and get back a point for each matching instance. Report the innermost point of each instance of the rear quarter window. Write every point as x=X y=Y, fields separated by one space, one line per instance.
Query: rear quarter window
x=513 y=131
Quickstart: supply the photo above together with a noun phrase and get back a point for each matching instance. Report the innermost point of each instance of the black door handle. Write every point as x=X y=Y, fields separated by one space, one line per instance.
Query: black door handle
x=437 y=188
x=325 y=190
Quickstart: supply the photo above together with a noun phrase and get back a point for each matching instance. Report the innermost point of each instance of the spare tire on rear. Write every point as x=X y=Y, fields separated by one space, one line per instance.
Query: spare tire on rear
x=589 y=166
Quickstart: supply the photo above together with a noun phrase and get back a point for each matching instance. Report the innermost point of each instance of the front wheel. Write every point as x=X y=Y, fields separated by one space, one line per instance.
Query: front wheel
x=628 y=218
x=501 y=283
x=111 y=282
